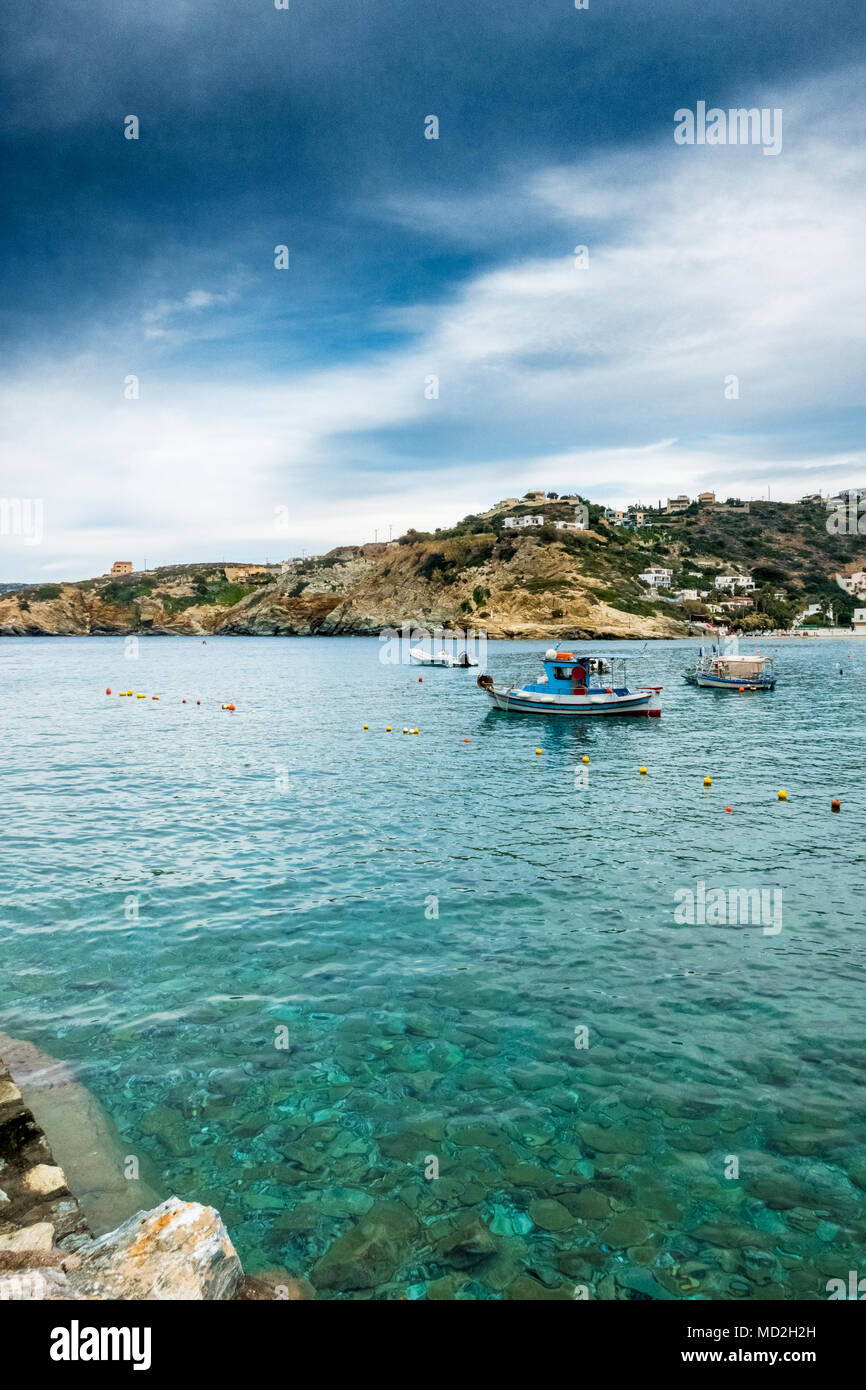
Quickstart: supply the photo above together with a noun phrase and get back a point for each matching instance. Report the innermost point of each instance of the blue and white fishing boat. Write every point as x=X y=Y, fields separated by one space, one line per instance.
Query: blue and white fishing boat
x=576 y=686
x=715 y=670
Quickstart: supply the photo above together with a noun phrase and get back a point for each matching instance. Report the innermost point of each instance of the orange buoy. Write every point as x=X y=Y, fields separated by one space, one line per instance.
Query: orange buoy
x=420 y=679
x=835 y=805
x=198 y=702
x=729 y=808
x=108 y=690
x=467 y=740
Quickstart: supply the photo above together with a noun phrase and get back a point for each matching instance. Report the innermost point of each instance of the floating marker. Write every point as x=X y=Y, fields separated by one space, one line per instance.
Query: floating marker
x=783 y=795
x=538 y=750
x=414 y=731
x=585 y=758
x=643 y=772
x=835 y=805
x=708 y=781
x=420 y=679
x=108 y=690
x=467 y=740
x=405 y=731
x=366 y=726
x=387 y=728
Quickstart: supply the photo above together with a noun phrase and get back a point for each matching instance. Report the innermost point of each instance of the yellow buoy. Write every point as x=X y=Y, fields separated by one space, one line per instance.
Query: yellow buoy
x=585 y=758
x=387 y=728
x=708 y=781
x=139 y=696
x=538 y=750
x=783 y=795
x=414 y=731
x=129 y=692
x=366 y=726
x=643 y=772
x=121 y=693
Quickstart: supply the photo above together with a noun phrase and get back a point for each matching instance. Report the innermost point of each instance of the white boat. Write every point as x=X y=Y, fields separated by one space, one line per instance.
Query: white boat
x=576 y=686
x=419 y=657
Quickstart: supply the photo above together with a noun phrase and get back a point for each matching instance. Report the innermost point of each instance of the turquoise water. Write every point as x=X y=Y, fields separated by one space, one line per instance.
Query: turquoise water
x=286 y=868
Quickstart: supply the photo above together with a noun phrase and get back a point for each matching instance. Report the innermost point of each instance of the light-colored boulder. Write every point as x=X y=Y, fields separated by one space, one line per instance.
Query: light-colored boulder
x=44 y=1179
x=37 y=1237
x=180 y=1251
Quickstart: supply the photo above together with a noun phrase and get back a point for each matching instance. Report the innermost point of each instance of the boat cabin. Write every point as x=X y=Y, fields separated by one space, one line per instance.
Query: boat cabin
x=568 y=674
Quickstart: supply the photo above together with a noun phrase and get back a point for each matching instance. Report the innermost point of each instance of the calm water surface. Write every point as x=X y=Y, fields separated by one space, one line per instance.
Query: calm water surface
x=179 y=881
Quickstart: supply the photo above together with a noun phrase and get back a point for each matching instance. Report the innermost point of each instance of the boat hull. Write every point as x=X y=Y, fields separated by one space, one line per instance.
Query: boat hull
x=642 y=702
x=723 y=683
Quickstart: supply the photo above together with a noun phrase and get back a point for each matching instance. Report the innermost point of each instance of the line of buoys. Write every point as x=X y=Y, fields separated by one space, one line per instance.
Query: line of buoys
x=231 y=707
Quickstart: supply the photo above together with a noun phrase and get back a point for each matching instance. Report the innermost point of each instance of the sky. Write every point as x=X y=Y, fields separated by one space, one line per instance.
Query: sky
x=435 y=343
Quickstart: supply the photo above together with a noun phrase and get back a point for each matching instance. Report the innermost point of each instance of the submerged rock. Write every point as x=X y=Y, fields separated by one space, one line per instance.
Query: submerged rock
x=370 y=1253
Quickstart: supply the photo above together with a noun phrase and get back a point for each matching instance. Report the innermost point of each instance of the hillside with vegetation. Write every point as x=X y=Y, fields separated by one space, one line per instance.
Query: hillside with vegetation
x=533 y=582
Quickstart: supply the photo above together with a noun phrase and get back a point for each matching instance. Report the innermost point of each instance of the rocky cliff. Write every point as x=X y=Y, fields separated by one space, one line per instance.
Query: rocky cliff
x=531 y=586
x=536 y=582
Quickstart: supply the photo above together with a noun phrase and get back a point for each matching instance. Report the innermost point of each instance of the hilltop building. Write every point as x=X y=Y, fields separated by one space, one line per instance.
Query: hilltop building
x=657 y=577
x=121 y=567
x=735 y=581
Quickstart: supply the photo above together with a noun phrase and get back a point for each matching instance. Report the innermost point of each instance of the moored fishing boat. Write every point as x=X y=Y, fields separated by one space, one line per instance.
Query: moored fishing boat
x=419 y=657
x=719 y=671
x=576 y=686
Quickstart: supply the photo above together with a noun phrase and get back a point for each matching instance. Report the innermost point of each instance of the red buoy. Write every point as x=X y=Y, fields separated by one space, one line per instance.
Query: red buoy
x=835 y=805
x=108 y=690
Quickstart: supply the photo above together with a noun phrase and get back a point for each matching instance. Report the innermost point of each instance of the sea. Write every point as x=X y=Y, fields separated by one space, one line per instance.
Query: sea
x=480 y=1012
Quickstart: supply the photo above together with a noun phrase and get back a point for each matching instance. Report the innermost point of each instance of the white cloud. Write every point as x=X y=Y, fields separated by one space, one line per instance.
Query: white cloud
x=703 y=262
